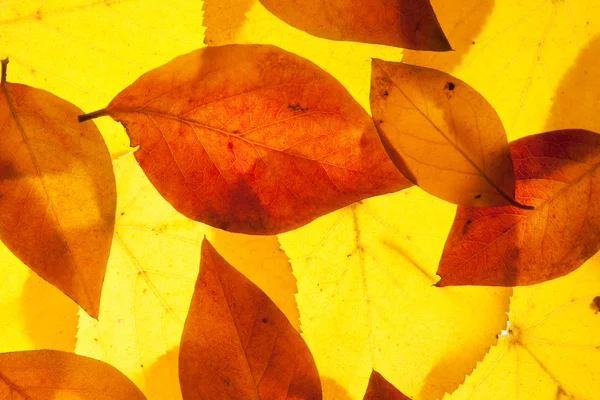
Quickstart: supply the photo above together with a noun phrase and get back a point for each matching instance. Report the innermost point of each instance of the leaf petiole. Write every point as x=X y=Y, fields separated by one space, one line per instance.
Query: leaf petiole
x=85 y=117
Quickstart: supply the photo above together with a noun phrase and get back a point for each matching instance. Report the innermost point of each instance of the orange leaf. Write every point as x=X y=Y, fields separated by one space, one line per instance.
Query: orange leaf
x=252 y=139
x=506 y=246
x=380 y=389
x=57 y=192
x=237 y=344
x=57 y=375
x=442 y=134
x=410 y=24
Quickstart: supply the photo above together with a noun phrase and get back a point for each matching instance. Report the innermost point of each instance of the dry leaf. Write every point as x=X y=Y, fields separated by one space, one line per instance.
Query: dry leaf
x=252 y=139
x=505 y=246
x=366 y=300
x=380 y=389
x=442 y=134
x=410 y=24
x=57 y=192
x=150 y=280
x=551 y=347
x=51 y=374
x=237 y=344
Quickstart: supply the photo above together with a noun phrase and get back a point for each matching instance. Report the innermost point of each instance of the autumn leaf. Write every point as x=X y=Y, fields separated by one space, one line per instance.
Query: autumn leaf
x=252 y=139
x=380 y=389
x=86 y=51
x=51 y=374
x=237 y=344
x=366 y=298
x=57 y=193
x=505 y=246
x=442 y=134
x=402 y=23
x=551 y=347
x=150 y=281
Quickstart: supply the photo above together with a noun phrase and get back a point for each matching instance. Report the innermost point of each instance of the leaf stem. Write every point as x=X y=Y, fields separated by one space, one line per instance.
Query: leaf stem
x=92 y=115
x=4 y=68
x=519 y=205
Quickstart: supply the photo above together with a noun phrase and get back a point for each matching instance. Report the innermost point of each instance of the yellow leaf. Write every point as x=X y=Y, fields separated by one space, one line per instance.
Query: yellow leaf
x=86 y=51
x=366 y=300
x=150 y=280
x=551 y=347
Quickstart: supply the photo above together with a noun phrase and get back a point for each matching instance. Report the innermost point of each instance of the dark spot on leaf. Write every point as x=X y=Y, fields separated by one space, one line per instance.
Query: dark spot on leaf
x=265 y=320
x=595 y=305
x=123 y=213
x=449 y=86
x=386 y=93
x=473 y=42
x=230 y=146
x=381 y=121
x=297 y=107
x=236 y=131
x=227 y=383
x=478 y=196
x=469 y=221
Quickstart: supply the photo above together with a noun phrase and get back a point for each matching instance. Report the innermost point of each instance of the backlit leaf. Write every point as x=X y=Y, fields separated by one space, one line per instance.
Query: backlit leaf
x=51 y=374
x=252 y=139
x=442 y=134
x=150 y=280
x=380 y=389
x=551 y=348
x=366 y=298
x=559 y=173
x=237 y=344
x=57 y=191
x=409 y=24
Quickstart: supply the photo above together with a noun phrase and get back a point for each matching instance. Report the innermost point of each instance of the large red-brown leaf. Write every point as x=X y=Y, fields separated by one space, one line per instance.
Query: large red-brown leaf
x=380 y=389
x=58 y=375
x=410 y=24
x=252 y=139
x=57 y=191
x=237 y=344
x=559 y=173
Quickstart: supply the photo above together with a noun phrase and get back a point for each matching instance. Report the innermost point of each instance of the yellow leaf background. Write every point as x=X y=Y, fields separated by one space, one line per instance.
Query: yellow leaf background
x=364 y=273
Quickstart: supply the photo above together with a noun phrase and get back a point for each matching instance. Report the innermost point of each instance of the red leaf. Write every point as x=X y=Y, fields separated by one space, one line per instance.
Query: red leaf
x=57 y=192
x=558 y=173
x=237 y=344
x=410 y=24
x=252 y=139
x=380 y=389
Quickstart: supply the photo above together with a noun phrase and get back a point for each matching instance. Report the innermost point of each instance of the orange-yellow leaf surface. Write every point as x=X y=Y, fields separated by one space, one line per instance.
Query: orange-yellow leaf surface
x=409 y=24
x=237 y=344
x=366 y=298
x=442 y=134
x=559 y=173
x=57 y=375
x=252 y=139
x=551 y=347
x=33 y=314
x=87 y=51
x=380 y=389
x=57 y=191
x=150 y=280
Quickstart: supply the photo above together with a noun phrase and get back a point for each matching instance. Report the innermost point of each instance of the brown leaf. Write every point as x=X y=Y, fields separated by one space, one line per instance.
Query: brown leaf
x=57 y=192
x=237 y=344
x=442 y=134
x=506 y=246
x=380 y=389
x=252 y=139
x=57 y=375
x=410 y=24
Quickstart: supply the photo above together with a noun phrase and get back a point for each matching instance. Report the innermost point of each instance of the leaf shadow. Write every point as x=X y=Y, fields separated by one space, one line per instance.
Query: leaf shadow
x=49 y=316
x=462 y=21
x=332 y=390
x=162 y=377
x=575 y=102
x=223 y=19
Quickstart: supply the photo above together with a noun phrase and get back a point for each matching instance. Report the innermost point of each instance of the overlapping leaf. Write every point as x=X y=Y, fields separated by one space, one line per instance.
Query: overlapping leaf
x=551 y=348
x=252 y=139
x=558 y=172
x=442 y=134
x=409 y=24
x=57 y=191
x=366 y=273
x=51 y=374
x=237 y=344
x=150 y=281
x=380 y=389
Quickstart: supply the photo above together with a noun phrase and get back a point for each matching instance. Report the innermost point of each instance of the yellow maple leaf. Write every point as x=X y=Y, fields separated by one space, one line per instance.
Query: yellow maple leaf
x=366 y=298
x=150 y=280
x=551 y=346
